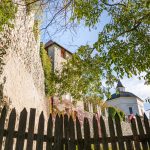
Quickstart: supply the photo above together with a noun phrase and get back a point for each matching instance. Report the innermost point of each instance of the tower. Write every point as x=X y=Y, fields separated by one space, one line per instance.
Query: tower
x=120 y=87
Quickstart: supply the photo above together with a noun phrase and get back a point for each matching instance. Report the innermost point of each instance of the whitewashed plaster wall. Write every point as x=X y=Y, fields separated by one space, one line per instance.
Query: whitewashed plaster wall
x=124 y=103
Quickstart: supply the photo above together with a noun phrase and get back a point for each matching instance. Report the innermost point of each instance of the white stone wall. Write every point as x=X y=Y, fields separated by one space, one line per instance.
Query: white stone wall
x=24 y=84
x=124 y=103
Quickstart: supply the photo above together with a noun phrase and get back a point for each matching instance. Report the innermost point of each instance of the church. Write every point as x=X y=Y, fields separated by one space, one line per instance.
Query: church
x=128 y=102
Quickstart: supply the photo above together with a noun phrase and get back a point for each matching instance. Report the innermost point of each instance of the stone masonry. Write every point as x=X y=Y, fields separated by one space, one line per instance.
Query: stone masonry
x=22 y=77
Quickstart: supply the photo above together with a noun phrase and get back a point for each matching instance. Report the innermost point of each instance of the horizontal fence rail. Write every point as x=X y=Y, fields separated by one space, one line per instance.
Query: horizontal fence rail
x=67 y=133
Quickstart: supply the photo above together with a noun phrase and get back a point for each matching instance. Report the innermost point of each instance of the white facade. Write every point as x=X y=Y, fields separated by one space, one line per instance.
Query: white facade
x=127 y=103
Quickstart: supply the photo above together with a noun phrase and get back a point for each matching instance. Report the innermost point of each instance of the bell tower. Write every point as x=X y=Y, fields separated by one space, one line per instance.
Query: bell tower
x=120 y=87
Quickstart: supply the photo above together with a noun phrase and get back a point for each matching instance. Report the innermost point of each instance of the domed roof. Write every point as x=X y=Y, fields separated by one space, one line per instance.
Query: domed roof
x=122 y=94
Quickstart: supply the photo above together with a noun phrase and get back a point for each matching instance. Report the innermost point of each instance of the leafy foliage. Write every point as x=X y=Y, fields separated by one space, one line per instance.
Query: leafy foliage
x=36 y=29
x=122 y=48
x=47 y=67
x=112 y=111
x=7 y=13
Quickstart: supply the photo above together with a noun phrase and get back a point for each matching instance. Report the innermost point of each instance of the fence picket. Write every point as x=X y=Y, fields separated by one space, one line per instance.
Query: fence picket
x=21 y=130
x=119 y=132
x=147 y=128
x=49 y=133
x=40 y=134
x=64 y=134
x=58 y=144
x=96 y=134
x=11 y=127
x=141 y=131
x=31 y=129
x=112 y=133
x=87 y=144
x=104 y=136
x=66 y=131
x=129 y=145
x=72 y=145
x=61 y=132
x=79 y=135
x=2 y=123
x=135 y=133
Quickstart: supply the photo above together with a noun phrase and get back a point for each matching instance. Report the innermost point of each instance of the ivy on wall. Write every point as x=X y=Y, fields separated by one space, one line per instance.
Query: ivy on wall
x=36 y=30
x=7 y=13
x=50 y=77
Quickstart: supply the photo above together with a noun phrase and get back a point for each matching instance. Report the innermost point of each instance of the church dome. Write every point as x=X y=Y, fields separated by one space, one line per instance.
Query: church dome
x=121 y=92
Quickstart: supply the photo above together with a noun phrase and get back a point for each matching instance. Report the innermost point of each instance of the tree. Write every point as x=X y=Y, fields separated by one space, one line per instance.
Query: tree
x=122 y=48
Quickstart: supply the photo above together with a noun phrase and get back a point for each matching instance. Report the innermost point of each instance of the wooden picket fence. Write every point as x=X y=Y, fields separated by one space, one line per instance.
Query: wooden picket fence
x=66 y=133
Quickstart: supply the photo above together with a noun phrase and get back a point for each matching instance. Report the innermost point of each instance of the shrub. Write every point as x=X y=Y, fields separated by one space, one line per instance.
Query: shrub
x=46 y=63
x=112 y=111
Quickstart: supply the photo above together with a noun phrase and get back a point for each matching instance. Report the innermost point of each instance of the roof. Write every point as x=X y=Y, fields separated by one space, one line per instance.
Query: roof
x=50 y=43
x=122 y=94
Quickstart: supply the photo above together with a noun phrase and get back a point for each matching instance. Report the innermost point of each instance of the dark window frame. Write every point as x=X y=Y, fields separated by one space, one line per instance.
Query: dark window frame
x=130 y=110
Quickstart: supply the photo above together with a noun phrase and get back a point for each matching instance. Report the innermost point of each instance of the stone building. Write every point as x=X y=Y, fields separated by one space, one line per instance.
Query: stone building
x=126 y=101
x=60 y=55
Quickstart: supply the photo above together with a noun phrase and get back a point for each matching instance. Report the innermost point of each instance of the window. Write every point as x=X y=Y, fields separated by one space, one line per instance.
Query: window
x=63 y=53
x=130 y=110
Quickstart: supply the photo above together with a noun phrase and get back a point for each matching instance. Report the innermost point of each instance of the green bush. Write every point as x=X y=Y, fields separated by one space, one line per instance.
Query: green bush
x=46 y=63
x=112 y=111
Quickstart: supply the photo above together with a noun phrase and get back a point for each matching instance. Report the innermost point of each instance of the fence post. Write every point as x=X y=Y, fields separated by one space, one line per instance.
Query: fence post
x=103 y=130
x=58 y=143
x=147 y=128
x=21 y=130
x=96 y=134
x=119 y=132
x=11 y=127
x=31 y=129
x=79 y=134
x=71 y=144
x=87 y=144
x=66 y=131
x=49 y=133
x=40 y=134
x=135 y=134
x=2 y=123
x=141 y=131
x=112 y=133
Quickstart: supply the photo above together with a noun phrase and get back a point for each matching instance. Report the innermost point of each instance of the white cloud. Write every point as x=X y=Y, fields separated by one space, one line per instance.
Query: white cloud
x=137 y=87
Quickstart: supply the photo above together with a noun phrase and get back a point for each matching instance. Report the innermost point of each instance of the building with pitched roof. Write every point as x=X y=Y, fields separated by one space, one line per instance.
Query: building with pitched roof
x=128 y=102
x=58 y=54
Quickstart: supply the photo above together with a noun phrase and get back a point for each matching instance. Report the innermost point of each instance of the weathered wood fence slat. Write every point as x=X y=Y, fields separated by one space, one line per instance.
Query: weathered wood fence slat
x=64 y=132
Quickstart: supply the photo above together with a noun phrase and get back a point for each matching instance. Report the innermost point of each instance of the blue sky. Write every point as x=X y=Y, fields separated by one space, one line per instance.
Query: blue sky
x=82 y=35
